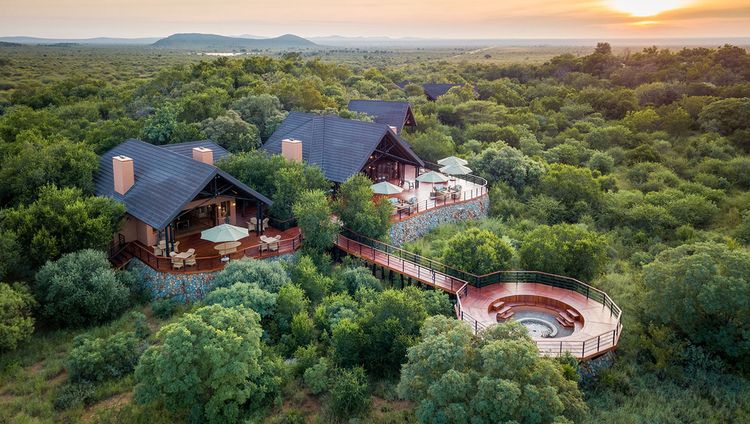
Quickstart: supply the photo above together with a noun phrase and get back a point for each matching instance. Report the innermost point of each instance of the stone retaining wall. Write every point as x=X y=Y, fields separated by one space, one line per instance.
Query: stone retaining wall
x=413 y=228
x=182 y=287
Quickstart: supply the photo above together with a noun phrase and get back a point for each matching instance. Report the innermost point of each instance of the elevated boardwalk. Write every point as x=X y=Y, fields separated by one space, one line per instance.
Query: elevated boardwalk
x=597 y=334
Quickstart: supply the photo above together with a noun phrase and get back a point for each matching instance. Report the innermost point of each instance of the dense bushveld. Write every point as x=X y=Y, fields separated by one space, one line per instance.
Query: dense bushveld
x=629 y=171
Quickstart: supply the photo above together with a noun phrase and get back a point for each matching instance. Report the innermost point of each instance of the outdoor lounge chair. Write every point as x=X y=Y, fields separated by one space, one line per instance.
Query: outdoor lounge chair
x=264 y=226
x=274 y=245
x=177 y=263
x=157 y=250
x=252 y=225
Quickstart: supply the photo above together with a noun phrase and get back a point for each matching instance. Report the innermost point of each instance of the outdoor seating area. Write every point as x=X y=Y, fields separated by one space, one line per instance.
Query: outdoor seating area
x=270 y=243
x=252 y=224
x=185 y=259
x=427 y=196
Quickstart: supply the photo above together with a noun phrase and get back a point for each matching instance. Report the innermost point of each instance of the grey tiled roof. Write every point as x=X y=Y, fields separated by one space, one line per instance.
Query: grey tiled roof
x=186 y=148
x=383 y=112
x=165 y=181
x=433 y=91
x=340 y=147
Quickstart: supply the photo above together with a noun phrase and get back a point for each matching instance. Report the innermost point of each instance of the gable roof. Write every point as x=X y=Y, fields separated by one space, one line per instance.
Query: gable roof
x=433 y=91
x=384 y=112
x=165 y=181
x=340 y=147
x=186 y=148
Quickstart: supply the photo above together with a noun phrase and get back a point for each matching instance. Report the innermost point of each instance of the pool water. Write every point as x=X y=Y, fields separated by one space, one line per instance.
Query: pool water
x=541 y=324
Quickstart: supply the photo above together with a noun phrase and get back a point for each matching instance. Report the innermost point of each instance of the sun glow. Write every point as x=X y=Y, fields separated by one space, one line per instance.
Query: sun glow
x=643 y=8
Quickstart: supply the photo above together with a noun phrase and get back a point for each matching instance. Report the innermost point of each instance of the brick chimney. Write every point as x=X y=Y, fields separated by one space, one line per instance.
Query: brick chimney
x=122 y=171
x=291 y=149
x=203 y=154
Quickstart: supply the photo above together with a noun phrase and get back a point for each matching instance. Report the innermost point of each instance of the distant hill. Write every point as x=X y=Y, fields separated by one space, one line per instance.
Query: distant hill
x=90 y=41
x=220 y=42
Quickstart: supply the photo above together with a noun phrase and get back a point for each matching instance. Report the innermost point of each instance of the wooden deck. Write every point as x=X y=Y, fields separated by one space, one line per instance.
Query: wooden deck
x=469 y=191
x=208 y=259
x=597 y=332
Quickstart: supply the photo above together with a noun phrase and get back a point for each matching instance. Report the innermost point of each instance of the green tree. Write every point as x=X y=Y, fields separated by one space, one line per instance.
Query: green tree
x=264 y=111
x=354 y=279
x=315 y=284
x=16 y=319
x=314 y=218
x=575 y=188
x=478 y=251
x=564 y=249
x=456 y=377
x=431 y=145
x=357 y=210
x=231 y=132
x=508 y=165
x=725 y=116
x=161 y=127
x=291 y=301
x=391 y=323
x=700 y=291
x=223 y=372
x=349 y=396
x=80 y=289
x=33 y=162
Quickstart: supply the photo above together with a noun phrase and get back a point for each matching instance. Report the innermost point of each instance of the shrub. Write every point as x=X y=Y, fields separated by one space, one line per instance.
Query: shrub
x=316 y=377
x=565 y=249
x=478 y=251
x=100 y=359
x=72 y=395
x=348 y=396
x=269 y=276
x=164 y=308
x=80 y=289
x=244 y=294
x=16 y=321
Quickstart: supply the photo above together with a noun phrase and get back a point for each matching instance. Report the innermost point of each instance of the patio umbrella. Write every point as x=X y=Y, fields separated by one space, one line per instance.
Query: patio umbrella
x=452 y=160
x=386 y=188
x=432 y=177
x=456 y=170
x=223 y=233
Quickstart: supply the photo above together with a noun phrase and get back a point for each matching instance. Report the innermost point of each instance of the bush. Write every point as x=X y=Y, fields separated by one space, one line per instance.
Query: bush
x=244 y=294
x=564 y=249
x=16 y=321
x=72 y=395
x=348 y=396
x=164 y=308
x=80 y=289
x=269 y=276
x=316 y=377
x=100 y=359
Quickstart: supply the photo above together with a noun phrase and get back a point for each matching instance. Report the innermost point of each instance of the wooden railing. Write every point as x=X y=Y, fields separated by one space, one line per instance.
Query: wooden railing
x=428 y=204
x=210 y=263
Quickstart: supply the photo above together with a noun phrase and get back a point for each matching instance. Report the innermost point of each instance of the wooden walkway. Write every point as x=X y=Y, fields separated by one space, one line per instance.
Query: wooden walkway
x=423 y=274
x=597 y=334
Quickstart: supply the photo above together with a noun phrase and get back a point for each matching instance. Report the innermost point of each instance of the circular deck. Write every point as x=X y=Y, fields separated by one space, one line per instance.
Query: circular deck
x=582 y=326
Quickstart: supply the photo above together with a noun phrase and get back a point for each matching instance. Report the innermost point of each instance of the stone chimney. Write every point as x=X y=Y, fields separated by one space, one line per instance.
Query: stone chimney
x=203 y=154
x=122 y=171
x=394 y=129
x=291 y=149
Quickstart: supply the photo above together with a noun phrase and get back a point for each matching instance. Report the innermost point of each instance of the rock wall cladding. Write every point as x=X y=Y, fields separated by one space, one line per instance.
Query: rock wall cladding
x=182 y=287
x=418 y=226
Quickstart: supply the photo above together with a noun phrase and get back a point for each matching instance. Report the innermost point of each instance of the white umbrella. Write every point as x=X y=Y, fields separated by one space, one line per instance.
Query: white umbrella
x=455 y=170
x=386 y=188
x=452 y=160
x=432 y=177
x=223 y=233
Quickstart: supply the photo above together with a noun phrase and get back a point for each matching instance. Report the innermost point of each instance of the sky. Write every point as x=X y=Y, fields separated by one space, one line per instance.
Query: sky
x=466 y=19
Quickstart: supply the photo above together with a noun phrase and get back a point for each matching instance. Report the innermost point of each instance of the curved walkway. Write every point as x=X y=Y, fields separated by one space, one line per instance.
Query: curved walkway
x=598 y=334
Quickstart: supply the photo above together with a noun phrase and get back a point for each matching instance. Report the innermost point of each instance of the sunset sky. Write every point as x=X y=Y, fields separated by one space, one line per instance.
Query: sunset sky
x=396 y=18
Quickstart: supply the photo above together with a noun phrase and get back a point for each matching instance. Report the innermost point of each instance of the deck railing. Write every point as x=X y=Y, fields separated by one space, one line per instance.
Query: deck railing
x=466 y=194
x=210 y=263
